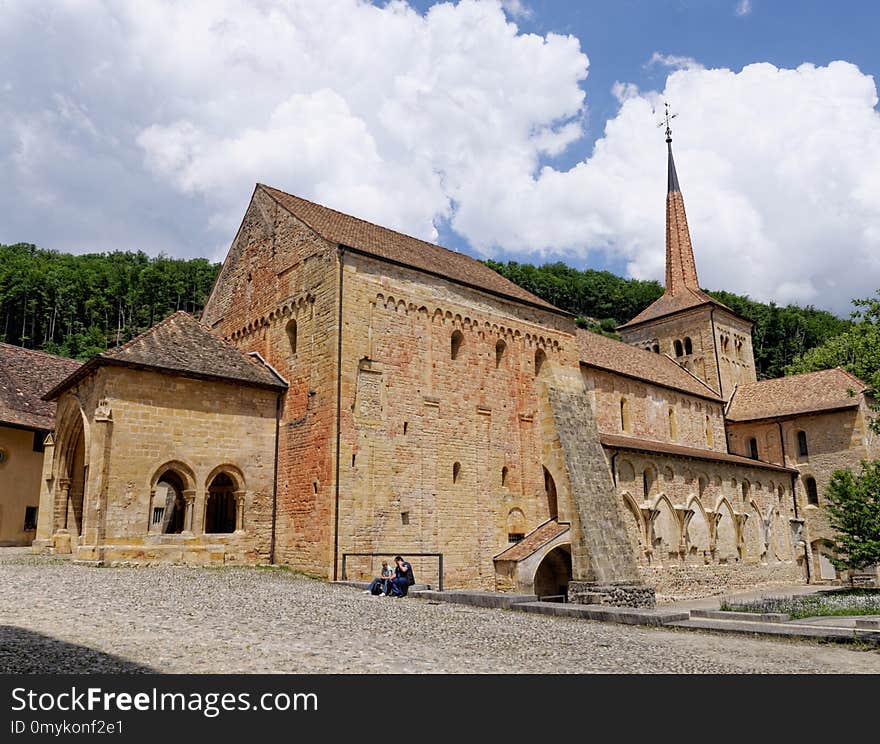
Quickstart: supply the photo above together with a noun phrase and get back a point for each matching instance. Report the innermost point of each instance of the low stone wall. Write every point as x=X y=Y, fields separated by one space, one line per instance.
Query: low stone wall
x=690 y=582
x=619 y=595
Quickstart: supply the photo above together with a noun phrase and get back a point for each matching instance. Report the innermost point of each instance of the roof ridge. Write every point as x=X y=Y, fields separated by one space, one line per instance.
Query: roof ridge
x=361 y=219
x=38 y=351
x=114 y=350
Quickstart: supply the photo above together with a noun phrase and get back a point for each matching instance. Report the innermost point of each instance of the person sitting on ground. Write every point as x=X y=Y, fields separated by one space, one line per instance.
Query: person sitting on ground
x=379 y=585
x=403 y=578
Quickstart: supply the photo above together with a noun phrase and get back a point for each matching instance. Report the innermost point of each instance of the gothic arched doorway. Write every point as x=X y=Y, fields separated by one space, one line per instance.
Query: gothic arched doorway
x=169 y=505
x=554 y=573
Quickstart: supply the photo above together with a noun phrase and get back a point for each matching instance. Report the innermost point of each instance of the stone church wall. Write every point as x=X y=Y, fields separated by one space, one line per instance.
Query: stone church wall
x=280 y=276
x=698 y=422
x=721 y=525
x=442 y=454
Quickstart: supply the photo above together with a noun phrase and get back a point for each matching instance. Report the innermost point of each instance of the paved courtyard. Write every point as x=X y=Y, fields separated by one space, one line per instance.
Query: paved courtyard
x=58 y=617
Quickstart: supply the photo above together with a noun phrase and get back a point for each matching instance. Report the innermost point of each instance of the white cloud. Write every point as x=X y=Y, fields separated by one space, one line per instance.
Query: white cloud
x=150 y=123
x=780 y=171
x=517 y=9
x=673 y=61
x=744 y=7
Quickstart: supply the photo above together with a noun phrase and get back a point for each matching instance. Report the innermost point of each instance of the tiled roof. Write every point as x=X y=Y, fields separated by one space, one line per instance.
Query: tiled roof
x=659 y=369
x=390 y=245
x=825 y=390
x=614 y=441
x=25 y=376
x=183 y=345
x=667 y=304
x=539 y=536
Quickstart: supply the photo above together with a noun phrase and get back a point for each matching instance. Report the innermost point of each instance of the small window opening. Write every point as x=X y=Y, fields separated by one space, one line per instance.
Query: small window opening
x=812 y=491
x=688 y=346
x=455 y=344
x=315 y=486
x=500 y=350
x=624 y=415
x=540 y=358
x=504 y=476
x=291 y=336
x=404 y=517
x=753 y=448
x=678 y=349
x=405 y=426
x=456 y=472
x=353 y=460
x=803 y=450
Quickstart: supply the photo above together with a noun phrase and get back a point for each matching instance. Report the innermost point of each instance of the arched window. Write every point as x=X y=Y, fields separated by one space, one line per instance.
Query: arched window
x=220 y=507
x=710 y=439
x=455 y=344
x=673 y=427
x=803 y=450
x=624 y=415
x=500 y=352
x=678 y=349
x=456 y=472
x=688 y=346
x=504 y=476
x=291 y=336
x=812 y=492
x=753 y=448
x=746 y=491
x=540 y=358
x=702 y=484
x=169 y=506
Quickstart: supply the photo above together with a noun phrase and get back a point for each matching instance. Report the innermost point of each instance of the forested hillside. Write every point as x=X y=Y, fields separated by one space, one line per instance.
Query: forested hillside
x=602 y=301
x=79 y=305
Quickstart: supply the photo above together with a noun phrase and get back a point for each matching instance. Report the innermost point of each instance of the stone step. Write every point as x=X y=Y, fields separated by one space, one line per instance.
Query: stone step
x=789 y=629
x=502 y=600
x=766 y=617
x=606 y=613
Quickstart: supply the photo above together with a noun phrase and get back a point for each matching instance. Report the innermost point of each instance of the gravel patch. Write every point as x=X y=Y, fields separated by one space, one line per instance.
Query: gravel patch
x=57 y=617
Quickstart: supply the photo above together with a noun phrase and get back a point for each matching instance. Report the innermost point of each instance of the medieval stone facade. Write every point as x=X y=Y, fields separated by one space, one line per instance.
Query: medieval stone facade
x=353 y=393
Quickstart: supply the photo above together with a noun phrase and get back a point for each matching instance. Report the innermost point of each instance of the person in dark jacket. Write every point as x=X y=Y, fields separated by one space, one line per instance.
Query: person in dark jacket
x=403 y=577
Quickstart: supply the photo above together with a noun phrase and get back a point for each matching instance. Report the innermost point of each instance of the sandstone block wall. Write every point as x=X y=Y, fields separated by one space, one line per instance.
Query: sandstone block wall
x=698 y=422
x=138 y=425
x=684 y=512
x=441 y=454
x=279 y=276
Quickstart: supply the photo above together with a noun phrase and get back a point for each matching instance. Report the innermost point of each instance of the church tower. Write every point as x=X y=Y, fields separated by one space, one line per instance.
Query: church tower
x=704 y=336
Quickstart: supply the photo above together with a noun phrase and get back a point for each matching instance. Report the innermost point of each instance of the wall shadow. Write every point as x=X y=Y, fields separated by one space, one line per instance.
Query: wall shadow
x=23 y=651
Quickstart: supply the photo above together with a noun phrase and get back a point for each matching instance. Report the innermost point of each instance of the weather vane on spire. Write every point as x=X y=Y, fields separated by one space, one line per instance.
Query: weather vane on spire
x=669 y=118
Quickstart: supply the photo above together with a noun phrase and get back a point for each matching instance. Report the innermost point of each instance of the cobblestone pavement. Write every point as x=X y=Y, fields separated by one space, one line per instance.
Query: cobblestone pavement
x=58 y=617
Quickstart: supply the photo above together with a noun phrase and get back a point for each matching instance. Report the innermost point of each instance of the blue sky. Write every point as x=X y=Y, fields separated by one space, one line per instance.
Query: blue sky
x=522 y=129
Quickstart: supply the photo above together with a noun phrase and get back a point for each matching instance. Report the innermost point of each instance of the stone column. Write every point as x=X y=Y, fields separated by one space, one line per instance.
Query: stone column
x=239 y=510
x=189 y=499
x=62 y=498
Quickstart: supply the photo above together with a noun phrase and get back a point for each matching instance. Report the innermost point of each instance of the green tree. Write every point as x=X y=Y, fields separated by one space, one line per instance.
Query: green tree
x=853 y=506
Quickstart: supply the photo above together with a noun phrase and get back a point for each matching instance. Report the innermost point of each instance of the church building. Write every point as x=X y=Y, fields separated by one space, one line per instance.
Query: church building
x=351 y=393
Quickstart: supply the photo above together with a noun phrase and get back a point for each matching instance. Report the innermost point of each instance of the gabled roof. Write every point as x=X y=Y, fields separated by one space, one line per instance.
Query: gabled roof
x=389 y=245
x=614 y=441
x=182 y=345
x=538 y=537
x=25 y=376
x=615 y=356
x=812 y=392
x=669 y=304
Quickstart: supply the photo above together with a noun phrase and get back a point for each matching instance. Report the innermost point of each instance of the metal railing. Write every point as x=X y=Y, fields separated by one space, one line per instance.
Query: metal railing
x=438 y=556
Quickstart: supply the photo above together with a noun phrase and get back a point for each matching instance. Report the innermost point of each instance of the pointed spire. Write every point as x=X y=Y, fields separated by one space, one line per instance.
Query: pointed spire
x=681 y=269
